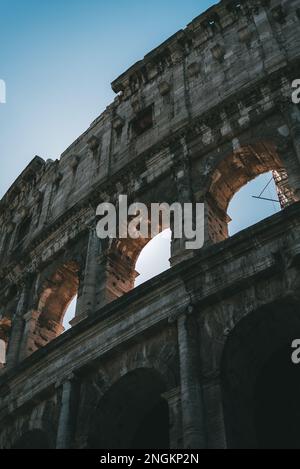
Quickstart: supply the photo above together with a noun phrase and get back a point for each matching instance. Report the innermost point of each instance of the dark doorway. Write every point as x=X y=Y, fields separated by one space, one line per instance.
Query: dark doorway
x=277 y=399
x=260 y=383
x=153 y=431
x=132 y=414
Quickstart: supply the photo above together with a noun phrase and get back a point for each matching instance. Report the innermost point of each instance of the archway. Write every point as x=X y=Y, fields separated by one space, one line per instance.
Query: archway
x=35 y=439
x=234 y=172
x=154 y=257
x=277 y=410
x=254 y=202
x=132 y=414
x=55 y=296
x=134 y=261
x=260 y=383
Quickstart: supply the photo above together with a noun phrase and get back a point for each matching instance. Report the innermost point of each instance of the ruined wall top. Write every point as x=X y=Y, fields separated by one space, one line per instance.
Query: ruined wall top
x=207 y=81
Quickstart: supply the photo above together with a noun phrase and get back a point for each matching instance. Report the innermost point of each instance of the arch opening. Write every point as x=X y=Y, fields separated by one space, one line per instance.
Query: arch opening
x=276 y=396
x=154 y=258
x=236 y=171
x=132 y=414
x=254 y=202
x=55 y=297
x=260 y=384
x=135 y=261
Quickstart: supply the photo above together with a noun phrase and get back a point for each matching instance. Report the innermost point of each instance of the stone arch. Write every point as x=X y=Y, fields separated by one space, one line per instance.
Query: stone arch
x=161 y=357
x=132 y=413
x=229 y=174
x=42 y=418
x=56 y=291
x=258 y=344
x=121 y=256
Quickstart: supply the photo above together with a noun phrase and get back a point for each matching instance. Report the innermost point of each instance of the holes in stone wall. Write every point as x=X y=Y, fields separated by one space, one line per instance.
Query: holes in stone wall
x=23 y=229
x=143 y=121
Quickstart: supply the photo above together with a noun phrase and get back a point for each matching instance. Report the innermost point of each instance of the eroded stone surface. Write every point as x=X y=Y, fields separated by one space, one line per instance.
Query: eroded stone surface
x=196 y=119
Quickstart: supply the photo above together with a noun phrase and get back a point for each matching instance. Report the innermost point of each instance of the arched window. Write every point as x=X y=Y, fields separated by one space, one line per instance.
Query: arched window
x=236 y=171
x=256 y=201
x=57 y=295
x=154 y=258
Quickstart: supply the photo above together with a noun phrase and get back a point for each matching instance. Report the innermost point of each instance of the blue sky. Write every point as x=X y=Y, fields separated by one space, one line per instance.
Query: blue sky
x=58 y=58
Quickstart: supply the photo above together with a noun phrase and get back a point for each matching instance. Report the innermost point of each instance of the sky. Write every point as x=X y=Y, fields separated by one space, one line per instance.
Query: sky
x=58 y=58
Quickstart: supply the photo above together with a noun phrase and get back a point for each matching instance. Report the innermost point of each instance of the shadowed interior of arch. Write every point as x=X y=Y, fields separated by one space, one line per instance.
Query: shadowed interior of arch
x=260 y=383
x=277 y=411
x=132 y=414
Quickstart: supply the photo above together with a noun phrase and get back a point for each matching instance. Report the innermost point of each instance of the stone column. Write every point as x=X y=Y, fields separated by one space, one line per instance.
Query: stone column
x=215 y=424
x=116 y=277
x=18 y=326
x=107 y=276
x=86 y=302
x=194 y=431
x=184 y=196
x=173 y=398
x=27 y=345
x=67 y=416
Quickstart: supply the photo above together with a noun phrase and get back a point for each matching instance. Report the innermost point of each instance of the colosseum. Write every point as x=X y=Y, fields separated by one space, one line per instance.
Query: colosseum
x=198 y=357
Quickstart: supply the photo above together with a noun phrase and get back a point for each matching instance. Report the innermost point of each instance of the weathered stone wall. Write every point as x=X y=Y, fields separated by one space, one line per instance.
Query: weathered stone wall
x=195 y=120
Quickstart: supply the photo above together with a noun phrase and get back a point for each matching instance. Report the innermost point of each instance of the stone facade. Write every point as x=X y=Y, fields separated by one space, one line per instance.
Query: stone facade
x=174 y=363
